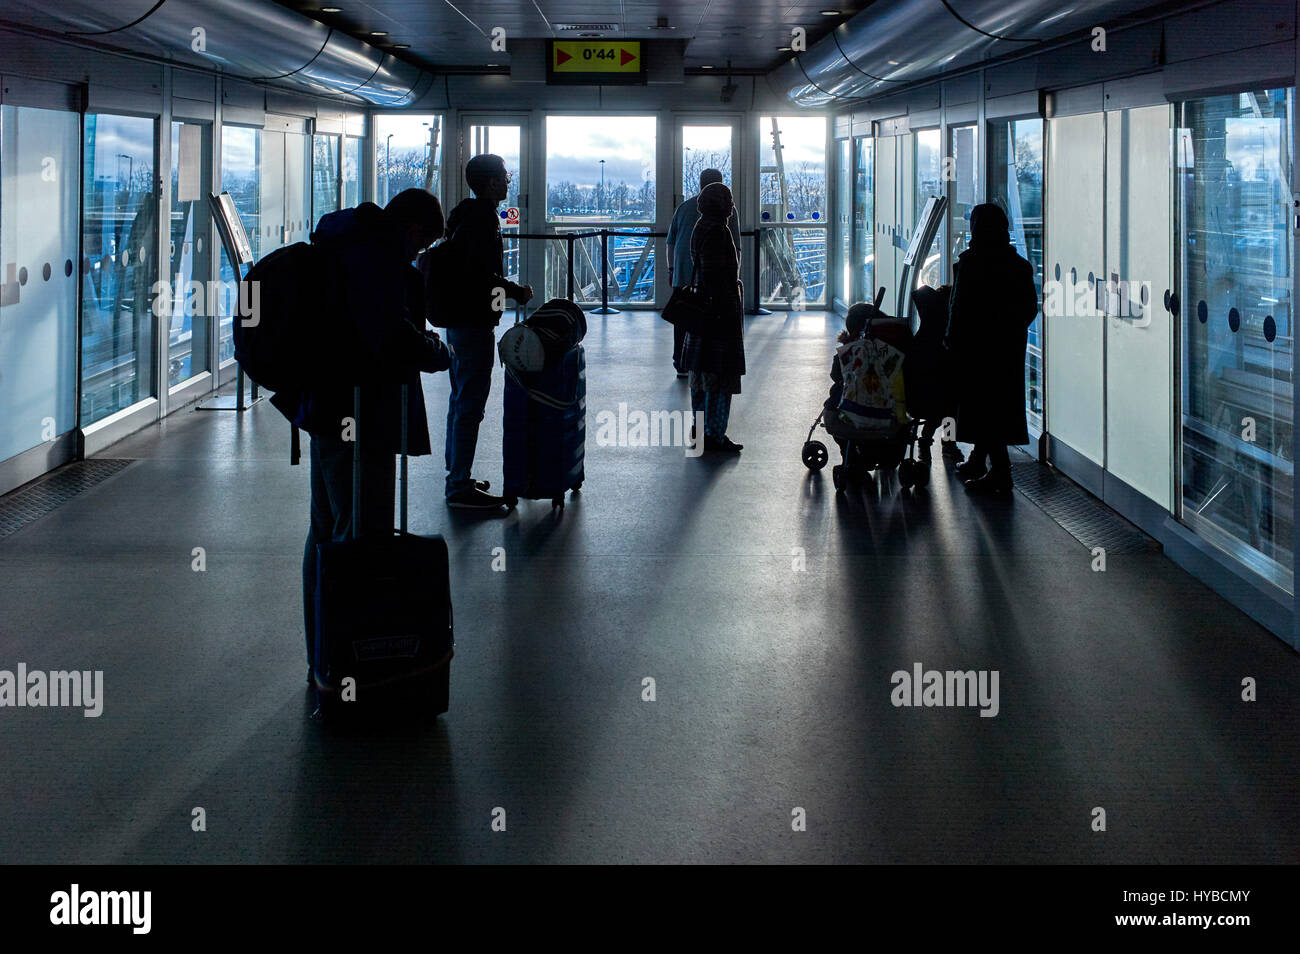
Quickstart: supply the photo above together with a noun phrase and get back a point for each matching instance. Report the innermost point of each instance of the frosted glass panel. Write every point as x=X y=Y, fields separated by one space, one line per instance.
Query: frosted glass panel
x=38 y=276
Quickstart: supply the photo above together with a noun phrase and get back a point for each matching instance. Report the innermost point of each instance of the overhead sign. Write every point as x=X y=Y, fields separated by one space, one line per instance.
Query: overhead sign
x=595 y=62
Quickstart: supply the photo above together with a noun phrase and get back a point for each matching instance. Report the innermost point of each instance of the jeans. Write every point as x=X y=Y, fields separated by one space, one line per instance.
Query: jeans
x=471 y=380
x=331 y=508
x=717 y=411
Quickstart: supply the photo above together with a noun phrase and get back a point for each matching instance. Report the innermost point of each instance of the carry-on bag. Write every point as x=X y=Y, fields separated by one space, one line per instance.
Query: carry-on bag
x=384 y=635
x=545 y=433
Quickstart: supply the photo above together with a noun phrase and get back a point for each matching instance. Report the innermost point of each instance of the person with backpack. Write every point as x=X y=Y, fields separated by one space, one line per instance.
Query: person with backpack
x=473 y=290
x=380 y=346
x=679 y=252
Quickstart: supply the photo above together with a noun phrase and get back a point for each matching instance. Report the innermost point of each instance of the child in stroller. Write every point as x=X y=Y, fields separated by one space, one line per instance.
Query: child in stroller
x=866 y=411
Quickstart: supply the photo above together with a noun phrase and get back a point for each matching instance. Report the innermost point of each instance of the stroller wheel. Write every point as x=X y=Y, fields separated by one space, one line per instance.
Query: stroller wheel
x=837 y=476
x=906 y=473
x=815 y=455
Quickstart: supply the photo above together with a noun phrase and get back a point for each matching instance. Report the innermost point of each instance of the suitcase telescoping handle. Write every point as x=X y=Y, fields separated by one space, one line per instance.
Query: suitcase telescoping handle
x=356 y=460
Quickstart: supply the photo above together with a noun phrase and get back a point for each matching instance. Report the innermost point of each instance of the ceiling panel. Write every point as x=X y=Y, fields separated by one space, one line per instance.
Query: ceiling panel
x=443 y=34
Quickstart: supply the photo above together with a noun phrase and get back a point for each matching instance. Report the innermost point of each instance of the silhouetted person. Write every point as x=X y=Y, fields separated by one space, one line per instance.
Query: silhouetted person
x=931 y=395
x=383 y=318
x=716 y=357
x=679 y=252
x=994 y=301
x=475 y=228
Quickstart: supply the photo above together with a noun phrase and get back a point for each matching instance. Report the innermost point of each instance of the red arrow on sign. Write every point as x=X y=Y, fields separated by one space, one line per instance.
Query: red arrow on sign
x=624 y=57
x=562 y=57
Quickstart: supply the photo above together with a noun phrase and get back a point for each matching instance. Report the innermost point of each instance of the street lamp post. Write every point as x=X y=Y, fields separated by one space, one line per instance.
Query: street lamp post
x=602 y=185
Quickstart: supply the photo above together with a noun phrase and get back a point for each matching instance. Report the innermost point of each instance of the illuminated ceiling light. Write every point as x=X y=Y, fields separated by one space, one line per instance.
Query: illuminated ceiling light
x=893 y=62
x=378 y=33
x=401 y=46
x=784 y=49
x=331 y=9
x=706 y=67
x=830 y=13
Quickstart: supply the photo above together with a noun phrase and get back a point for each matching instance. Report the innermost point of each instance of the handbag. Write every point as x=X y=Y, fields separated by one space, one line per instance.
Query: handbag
x=691 y=307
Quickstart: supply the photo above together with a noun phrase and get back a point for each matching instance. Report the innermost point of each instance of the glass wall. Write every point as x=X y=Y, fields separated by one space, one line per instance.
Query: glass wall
x=600 y=173
x=504 y=140
x=352 y=159
x=1235 y=157
x=792 y=198
x=241 y=168
x=864 y=197
x=1016 y=184
x=324 y=176
x=120 y=243
x=191 y=227
x=38 y=280
x=408 y=155
x=929 y=181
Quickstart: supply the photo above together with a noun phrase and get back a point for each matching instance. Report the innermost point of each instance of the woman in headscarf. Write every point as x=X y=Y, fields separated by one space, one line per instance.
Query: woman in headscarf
x=716 y=358
x=994 y=301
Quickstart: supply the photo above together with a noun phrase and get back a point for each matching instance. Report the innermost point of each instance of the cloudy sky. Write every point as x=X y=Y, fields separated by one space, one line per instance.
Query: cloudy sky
x=576 y=144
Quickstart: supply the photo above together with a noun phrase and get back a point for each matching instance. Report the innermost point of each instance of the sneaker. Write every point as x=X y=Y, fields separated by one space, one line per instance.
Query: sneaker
x=971 y=470
x=722 y=444
x=475 y=499
x=482 y=485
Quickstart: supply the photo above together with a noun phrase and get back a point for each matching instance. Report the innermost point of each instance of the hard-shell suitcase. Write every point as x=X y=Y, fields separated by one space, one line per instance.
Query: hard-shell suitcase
x=545 y=437
x=383 y=613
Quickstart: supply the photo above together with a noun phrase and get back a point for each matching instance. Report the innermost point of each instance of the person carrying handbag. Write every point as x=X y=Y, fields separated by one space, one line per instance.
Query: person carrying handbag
x=714 y=350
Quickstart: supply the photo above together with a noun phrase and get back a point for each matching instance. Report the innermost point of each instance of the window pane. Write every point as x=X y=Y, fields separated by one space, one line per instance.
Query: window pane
x=844 y=197
x=792 y=177
x=352 y=147
x=704 y=147
x=1237 y=326
x=965 y=186
x=324 y=176
x=863 y=216
x=408 y=155
x=793 y=267
x=241 y=165
x=929 y=181
x=120 y=240
x=600 y=169
x=1016 y=184
x=38 y=308
x=191 y=255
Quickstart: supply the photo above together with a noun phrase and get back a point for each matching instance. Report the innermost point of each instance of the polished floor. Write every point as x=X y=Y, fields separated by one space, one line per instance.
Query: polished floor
x=1119 y=690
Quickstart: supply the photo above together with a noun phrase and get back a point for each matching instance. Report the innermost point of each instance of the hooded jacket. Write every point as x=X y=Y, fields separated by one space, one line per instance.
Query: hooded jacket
x=380 y=324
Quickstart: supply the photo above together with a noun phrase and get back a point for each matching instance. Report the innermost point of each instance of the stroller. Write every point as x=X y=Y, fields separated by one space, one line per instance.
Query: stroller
x=871 y=422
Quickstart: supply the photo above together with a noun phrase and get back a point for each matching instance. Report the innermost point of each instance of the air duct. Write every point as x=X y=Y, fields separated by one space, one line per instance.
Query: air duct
x=892 y=44
x=250 y=39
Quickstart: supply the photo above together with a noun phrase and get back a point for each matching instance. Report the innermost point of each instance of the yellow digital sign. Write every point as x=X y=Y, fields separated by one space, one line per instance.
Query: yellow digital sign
x=596 y=56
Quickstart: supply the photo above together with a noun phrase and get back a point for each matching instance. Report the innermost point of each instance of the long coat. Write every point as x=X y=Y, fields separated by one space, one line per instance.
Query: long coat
x=994 y=302
x=722 y=350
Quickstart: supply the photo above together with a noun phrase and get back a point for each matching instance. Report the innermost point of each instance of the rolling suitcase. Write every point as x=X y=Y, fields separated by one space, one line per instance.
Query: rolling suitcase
x=383 y=613
x=545 y=438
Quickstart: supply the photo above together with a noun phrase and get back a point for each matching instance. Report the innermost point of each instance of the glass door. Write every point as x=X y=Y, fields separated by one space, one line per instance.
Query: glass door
x=844 y=221
x=501 y=136
x=792 y=210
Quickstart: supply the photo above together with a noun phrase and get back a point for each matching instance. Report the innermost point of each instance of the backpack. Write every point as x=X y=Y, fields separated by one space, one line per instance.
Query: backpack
x=873 y=396
x=440 y=268
x=279 y=341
